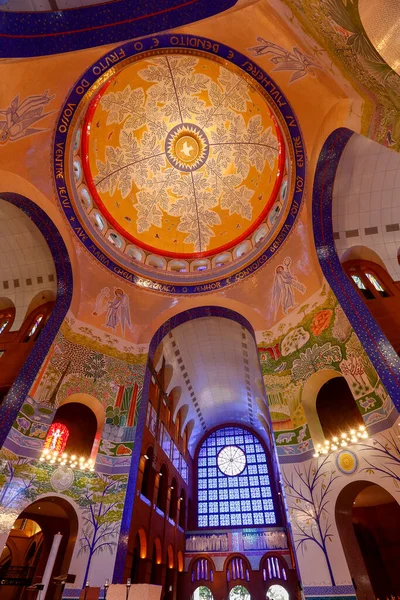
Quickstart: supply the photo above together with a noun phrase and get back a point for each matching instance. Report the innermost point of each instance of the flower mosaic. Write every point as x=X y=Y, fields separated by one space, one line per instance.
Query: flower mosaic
x=322 y=339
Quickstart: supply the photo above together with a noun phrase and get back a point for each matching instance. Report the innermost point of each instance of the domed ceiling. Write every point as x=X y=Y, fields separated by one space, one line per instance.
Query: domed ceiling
x=182 y=156
x=187 y=170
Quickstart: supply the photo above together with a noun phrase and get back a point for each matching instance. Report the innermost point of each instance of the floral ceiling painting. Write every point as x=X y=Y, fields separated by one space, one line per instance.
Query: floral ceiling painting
x=182 y=155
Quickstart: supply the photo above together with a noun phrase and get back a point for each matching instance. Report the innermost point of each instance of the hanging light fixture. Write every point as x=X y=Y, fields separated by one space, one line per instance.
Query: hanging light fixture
x=337 y=442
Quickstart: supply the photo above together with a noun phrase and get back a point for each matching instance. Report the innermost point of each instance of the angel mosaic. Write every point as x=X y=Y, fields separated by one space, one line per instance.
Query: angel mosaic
x=16 y=120
x=285 y=284
x=117 y=310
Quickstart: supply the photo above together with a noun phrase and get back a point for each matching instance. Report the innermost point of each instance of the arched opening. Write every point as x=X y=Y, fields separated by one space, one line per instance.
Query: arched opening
x=237 y=569
x=148 y=475
x=273 y=567
x=277 y=592
x=202 y=570
x=173 y=503
x=182 y=509
x=368 y=521
x=43 y=539
x=239 y=592
x=336 y=408
x=170 y=574
x=162 y=493
x=81 y=424
x=42 y=268
x=202 y=593
x=156 y=567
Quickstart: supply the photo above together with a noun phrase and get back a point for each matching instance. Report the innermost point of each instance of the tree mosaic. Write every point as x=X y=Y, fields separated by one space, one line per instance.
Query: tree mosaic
x=322 y=339
x=307 y=489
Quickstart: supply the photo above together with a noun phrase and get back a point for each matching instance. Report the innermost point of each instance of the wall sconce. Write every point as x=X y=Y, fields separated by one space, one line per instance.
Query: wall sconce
x=145 y=457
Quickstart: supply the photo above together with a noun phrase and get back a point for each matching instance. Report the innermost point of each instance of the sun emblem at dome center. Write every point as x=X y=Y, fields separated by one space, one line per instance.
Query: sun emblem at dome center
x=187 y=147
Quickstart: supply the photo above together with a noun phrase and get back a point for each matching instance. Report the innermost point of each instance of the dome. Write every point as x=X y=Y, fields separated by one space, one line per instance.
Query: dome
x=182 y=169
x=182 y=156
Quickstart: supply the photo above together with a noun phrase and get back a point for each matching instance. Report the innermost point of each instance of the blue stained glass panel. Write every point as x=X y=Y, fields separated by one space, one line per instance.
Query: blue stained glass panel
x=234 y=500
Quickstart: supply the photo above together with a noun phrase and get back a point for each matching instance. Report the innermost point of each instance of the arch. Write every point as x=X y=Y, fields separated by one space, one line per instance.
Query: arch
x=162 y=331
x=277 y=592
x=201 y=568
x=173 y=502
x=386 y=362
x=310 y=393
x=273 y=567
x=360 y=252
x=202 y=592
x=15 y=398
x=148 y=474
x=174 y=397
x=162 y=492
x=237 y=568
x=168 y=374
x=181 y=419
x=336 y=393
x=91 y=402
x=143 y=542
x=182 y=509
x=53 y=514
x=40 y=299
x=180 y=561
x=158 y=548
x=363 y=508
x=170 y=557
x=239 y=592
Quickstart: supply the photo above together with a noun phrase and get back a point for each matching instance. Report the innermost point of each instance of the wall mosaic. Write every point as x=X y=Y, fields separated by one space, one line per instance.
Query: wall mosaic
x=17 y=120
x=322 y=339
x=311 y=490
x=337 y=26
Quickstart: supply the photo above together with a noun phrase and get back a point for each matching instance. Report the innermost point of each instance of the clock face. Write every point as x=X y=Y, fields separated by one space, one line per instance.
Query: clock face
x=231 y=460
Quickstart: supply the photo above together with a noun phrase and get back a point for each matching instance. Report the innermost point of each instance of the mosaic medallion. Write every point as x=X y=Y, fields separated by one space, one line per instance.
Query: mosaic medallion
x=187 y=147
x=183 y=172
x=347 y=462
x=62 y=479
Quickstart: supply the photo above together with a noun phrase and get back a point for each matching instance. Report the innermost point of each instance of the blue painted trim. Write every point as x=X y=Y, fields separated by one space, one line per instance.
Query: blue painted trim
x=27 y=34
x=22 y=384
x=375 y=343
x=113 y=60
x=175 y=321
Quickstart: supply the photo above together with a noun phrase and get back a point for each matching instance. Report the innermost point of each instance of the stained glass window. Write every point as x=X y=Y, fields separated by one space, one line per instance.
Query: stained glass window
x=237 y=493
x=359 y=282
x=377 y=285
x=35 y=326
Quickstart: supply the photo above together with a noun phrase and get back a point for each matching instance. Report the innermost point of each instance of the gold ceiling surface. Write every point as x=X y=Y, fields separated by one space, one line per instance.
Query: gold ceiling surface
x=182 y=154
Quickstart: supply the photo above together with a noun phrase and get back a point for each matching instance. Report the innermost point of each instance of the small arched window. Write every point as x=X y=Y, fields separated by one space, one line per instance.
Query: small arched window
x=202 y=570
x=237 y=569
x=35 y=327
x=274 y=568
x=366 y=292
x=4 y=322
x=377 y=286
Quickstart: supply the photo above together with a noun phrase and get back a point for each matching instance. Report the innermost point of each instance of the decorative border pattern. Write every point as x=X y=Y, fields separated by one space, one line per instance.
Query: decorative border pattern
x=375 y=343
x=173 y=41
x=26 y=34
x=22 y=384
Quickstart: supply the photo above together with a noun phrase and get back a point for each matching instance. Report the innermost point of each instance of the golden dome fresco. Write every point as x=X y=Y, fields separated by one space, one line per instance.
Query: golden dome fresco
x=182 y=155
